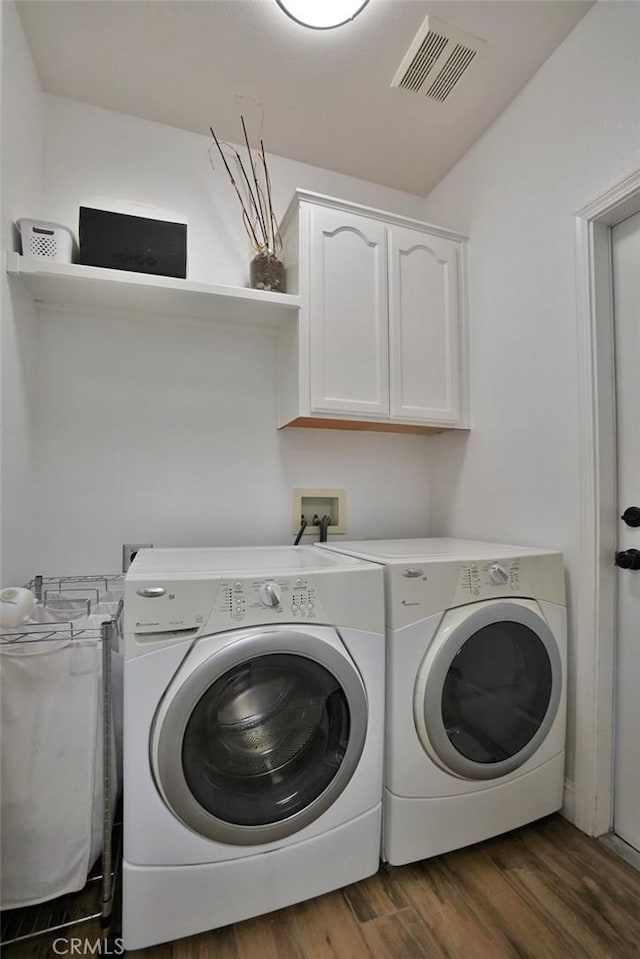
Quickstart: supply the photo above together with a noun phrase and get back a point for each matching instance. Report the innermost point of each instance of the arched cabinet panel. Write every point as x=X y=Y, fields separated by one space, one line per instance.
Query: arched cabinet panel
x=348 y=315
x=423 y=327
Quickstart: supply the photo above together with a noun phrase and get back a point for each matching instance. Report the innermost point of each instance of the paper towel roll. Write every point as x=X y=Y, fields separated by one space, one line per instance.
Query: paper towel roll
x=16 y=604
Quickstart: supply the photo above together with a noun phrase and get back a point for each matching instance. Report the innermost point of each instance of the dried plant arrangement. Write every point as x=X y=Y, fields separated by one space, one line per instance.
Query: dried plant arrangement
x=252 y=187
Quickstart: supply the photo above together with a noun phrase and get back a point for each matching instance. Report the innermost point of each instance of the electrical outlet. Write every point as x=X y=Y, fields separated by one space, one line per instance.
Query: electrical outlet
x=129 y=551
x=319 y=502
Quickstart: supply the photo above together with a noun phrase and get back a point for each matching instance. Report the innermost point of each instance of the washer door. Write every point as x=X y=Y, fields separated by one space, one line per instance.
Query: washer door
x=488 y=689
x=253 y=741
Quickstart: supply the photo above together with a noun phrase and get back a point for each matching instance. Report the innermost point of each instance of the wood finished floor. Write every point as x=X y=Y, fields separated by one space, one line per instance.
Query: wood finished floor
x=546 y=891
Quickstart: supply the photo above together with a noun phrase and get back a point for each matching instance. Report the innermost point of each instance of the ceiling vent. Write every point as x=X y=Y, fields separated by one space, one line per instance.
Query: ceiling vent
x=437 y=59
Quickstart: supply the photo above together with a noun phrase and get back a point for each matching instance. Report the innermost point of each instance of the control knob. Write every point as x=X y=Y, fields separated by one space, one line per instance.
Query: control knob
x=499 y=574
x=270 y=595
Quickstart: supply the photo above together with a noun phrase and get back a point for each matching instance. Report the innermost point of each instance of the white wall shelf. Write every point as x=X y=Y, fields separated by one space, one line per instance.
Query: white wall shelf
x=95 y=289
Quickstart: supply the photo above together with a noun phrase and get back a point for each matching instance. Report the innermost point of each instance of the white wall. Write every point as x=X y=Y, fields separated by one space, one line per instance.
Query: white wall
x=21 y=135
x=573 y=132
x=165 y=432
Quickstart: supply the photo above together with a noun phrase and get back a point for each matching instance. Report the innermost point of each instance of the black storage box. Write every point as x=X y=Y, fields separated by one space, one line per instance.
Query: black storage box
x=135 y=243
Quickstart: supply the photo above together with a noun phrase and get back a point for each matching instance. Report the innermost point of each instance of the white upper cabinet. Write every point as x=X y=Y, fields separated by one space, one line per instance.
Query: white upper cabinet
x=381 y=340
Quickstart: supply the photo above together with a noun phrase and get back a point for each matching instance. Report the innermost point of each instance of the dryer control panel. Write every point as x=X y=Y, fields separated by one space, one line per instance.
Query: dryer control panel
x=424 y=589
x=483 y=579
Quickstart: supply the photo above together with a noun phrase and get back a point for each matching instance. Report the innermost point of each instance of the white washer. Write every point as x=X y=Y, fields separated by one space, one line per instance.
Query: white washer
x=253 y=732
x=476 y=690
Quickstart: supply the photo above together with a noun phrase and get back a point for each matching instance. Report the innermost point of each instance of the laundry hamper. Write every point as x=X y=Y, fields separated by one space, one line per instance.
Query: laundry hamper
x=52 y=710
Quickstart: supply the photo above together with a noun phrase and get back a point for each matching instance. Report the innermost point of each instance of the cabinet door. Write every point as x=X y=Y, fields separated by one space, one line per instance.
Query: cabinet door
x=348 y=331
x=424 y=326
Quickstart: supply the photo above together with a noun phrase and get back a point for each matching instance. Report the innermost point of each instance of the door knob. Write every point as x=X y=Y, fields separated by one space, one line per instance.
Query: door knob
x=628 y=559
x=631 y=516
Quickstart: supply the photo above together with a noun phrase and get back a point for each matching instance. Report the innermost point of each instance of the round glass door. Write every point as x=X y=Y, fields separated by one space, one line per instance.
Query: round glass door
x=265 y=740
x=255 y=744
x=492 y=691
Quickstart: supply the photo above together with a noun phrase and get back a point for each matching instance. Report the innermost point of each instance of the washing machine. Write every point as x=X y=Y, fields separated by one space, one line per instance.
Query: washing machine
x=253 y=733
x=476 y=690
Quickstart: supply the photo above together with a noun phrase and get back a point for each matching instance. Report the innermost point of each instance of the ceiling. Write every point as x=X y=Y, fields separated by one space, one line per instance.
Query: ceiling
x=325 y=94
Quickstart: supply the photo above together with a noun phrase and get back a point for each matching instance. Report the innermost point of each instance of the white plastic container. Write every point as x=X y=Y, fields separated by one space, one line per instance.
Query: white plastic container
x=48 y=241
x=16 y=605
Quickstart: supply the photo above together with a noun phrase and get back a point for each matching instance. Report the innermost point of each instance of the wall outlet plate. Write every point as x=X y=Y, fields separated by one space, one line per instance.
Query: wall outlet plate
x=319 y=502
x=129 y=551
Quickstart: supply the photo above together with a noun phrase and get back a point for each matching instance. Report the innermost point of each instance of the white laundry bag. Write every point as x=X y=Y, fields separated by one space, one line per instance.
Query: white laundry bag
x=51 y=767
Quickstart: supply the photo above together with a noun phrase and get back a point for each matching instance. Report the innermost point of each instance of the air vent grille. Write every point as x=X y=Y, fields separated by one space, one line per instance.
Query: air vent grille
x=451 y=72
x=420 y=68
x=437 y=59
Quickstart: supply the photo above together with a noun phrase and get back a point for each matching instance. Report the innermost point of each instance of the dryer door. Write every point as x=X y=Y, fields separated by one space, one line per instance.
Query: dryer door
x=488 y=689
x=254 y=740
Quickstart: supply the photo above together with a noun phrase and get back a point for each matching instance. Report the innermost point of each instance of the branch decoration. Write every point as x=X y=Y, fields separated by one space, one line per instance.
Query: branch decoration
x=252 y=186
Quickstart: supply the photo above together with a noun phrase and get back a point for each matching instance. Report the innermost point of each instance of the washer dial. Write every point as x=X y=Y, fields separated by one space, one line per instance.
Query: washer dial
x=270 y=595
x=499 y=574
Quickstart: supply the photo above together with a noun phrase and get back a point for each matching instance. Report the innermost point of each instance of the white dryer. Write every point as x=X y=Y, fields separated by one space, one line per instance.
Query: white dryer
x=476 y=690
x=253 y=732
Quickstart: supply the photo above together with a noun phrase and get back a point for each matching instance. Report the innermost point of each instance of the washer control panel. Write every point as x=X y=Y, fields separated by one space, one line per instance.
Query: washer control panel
x=268 y=599
x=486 y=578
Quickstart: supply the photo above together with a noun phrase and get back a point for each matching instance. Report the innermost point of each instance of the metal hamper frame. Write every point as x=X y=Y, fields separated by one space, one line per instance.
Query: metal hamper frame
x=30 y=922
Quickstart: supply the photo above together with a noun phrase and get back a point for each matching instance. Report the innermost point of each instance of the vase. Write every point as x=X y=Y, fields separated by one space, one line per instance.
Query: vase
x=267 y=273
